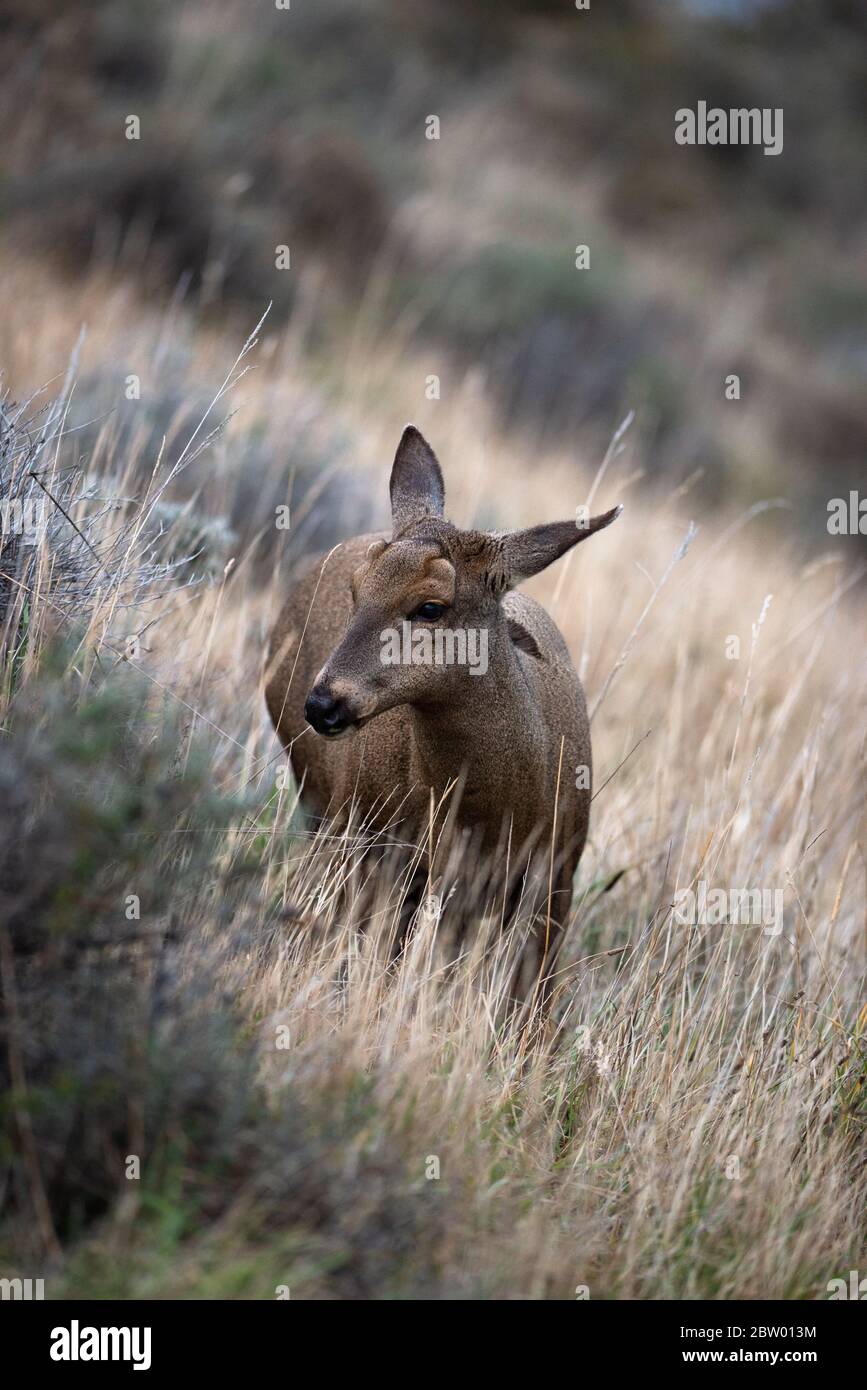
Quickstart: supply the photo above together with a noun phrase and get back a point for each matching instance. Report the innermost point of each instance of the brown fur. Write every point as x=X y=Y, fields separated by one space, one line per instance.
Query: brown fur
x=509 y=741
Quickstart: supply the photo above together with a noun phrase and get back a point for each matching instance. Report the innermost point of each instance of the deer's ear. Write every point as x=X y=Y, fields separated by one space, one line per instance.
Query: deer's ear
x=416 y=485
x=525 y=553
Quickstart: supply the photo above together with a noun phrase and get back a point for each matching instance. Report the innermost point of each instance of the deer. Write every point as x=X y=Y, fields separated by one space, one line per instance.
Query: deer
x=377 y=720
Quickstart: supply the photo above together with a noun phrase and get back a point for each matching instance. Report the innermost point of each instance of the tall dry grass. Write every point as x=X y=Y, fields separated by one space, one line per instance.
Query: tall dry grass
x=689 y=1122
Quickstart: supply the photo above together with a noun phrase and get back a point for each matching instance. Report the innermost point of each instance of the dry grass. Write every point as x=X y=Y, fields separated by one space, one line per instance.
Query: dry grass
x=690 y=1122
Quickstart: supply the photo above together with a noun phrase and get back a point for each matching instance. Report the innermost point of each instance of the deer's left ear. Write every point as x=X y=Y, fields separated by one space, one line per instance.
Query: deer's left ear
x=525 y=553
x=417 y=489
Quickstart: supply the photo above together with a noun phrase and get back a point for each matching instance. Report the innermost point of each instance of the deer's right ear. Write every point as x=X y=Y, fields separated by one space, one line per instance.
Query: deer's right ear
x=417 y=489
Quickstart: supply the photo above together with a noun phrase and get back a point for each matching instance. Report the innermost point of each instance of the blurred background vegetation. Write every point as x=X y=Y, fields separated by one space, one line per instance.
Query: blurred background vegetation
x=306 y=127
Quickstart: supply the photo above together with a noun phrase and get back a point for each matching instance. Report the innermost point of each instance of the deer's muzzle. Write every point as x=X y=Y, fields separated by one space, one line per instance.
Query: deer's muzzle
x=327 y=715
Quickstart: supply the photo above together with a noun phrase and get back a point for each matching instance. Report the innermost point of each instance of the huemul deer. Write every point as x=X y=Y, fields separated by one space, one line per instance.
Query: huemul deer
x=503 y=737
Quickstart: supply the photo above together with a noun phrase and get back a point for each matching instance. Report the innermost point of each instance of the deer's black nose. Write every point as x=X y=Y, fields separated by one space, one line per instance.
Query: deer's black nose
x=326 y=715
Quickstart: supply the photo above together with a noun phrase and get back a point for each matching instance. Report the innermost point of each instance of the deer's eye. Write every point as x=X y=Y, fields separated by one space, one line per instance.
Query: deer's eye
x=429 y=612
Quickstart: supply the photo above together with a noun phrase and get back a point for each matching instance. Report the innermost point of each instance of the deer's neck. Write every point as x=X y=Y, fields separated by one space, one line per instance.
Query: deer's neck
x=488 y=737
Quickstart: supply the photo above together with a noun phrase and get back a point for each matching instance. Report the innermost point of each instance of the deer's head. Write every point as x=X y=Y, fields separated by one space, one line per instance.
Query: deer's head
x=426 y=604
